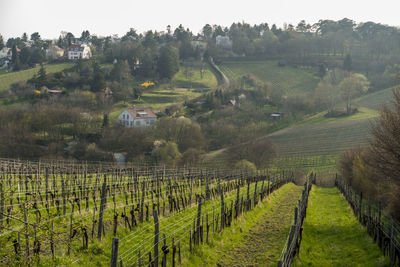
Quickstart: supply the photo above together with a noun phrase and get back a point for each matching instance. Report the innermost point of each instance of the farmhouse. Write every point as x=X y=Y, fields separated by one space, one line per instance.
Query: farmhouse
x=137 y=117
x=54 y=52
x=76 y=51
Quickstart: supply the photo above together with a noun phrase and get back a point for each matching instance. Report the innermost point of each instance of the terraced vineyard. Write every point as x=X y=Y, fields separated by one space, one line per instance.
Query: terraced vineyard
x=61 y=214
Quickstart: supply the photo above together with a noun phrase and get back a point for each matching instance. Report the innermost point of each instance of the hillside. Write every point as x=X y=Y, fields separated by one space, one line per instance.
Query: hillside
x=7 y=79
x=290 y=80
x=187 y=84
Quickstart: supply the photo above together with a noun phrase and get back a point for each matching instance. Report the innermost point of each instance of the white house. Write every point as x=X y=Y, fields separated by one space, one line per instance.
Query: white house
x=137 y=117
x=223 y=42
x=76 y=51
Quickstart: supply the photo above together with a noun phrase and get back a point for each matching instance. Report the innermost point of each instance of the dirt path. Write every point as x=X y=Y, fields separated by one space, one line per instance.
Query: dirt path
x=261 y=244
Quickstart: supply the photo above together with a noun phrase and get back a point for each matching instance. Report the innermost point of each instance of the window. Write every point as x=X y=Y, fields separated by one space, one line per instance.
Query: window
x=123 y=116
x=131 y=123
x=127 y=116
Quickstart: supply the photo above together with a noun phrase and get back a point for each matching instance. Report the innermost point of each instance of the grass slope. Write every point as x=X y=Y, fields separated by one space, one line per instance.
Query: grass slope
x=332 y=236
x=256 y=238
x=7 y=79
x=291 y=80
x=182 y=88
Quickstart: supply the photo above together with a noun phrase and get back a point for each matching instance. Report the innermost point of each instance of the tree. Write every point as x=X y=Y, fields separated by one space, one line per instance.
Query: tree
x=353 y=86
x=192 y=157
x=245 y=165
x=327 y=91
x=168 y=154
x=347 y=63
x=25 y=55
x=207 y=31
x=42 y=76
x=85 y=36
x=24 y=37
x=1 y=42
x=182 y=131
x=98 y=81
x=168 y=62
x=16 y=63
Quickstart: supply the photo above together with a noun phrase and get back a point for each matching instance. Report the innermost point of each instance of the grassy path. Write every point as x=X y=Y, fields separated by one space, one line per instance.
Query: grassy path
x=256 y=238
x=332 y=235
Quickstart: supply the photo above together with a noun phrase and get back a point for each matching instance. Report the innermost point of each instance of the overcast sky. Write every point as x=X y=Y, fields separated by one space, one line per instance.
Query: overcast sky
x=50 y=17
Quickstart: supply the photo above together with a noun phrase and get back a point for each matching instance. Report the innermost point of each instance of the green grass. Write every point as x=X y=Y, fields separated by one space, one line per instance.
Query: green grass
x=7 y=79
x=194 y=79
x=256 y=238
x=292 y=81
x=156 y=99
x=181 y=89
x=332 y=235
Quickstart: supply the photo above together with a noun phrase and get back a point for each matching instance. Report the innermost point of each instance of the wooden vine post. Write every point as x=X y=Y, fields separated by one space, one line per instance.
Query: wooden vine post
x=156 y=237
x=102 y=206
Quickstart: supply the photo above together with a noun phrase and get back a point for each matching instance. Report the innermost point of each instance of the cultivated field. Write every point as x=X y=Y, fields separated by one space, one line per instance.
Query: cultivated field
x=62 y=213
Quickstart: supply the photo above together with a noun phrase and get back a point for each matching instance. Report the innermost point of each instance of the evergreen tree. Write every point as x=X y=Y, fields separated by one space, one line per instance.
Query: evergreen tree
x=347 y=63
x=98 y=81
x=24 y=37
x=15 y=59
x=1 y=42
x=42 y=76
x=168 y=62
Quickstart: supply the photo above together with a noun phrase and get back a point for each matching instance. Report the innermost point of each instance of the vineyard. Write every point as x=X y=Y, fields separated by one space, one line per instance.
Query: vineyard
x=62 y=213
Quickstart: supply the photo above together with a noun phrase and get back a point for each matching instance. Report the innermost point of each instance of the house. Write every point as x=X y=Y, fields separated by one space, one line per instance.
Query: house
x=6 y=52
x=199 y=42
x=54 y=52
x=76 y=51
x=223 y=42
x=276 y=116
x=137 y=117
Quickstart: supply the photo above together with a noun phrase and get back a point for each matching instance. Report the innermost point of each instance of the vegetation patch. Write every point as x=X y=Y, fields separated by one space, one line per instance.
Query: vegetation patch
x=332 y=236
x=256 y=238
x=7 y=79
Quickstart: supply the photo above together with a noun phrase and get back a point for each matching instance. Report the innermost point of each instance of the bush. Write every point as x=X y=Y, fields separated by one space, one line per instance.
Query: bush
x=245 y=165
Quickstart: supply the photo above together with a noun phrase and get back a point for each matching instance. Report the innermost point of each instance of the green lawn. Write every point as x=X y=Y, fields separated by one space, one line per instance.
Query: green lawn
x=189 y=77
x=332 y=235
x=291 y=80
x=7 y=79
x=256 y=238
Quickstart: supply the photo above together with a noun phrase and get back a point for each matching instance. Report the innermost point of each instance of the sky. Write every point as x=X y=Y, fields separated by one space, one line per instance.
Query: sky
x=50 y=17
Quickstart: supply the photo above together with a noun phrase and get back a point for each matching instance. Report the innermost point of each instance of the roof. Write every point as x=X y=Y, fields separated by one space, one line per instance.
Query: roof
x=144 y=113
x=76 y=47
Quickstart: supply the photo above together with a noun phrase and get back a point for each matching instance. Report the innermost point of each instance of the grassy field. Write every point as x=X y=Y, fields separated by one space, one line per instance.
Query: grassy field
x=7 y=79
x=256 y=238
x=292 y=81
x=182 y=88
x=189 y=77
x=332 y=236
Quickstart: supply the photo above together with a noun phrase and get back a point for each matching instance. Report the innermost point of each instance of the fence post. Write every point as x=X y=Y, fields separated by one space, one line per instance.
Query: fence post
x=102 y=206
x=114 y=252
x=198 y=223
x=156 y=237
